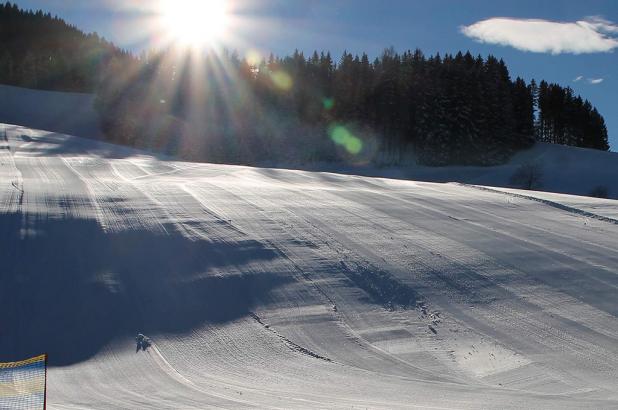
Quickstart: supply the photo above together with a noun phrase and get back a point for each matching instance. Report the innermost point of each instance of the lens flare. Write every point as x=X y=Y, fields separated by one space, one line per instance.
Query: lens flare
x=328 y=103
x=281 y=80
x=342 y=136
x=253 y=57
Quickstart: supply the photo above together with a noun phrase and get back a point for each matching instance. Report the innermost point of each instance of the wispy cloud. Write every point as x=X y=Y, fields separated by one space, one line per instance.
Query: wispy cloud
x=595 y=80
x=578 y=78
x=592 y=35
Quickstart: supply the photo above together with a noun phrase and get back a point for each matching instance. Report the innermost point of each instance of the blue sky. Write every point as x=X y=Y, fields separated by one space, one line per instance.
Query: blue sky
x=281 y=26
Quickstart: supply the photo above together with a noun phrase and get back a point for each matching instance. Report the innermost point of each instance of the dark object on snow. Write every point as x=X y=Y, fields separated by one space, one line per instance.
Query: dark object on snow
x=529 y=175
x=142 y=342
x=599 y=191
x=433 y=330
x=423 y=308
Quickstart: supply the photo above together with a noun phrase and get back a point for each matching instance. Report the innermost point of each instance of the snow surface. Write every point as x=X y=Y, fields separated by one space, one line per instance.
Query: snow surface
x=70 y=113
x=291 y=289
x=562 y=169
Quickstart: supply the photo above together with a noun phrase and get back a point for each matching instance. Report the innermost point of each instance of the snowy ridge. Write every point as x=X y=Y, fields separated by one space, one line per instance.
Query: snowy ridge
x=554 y=204
x=270 y=288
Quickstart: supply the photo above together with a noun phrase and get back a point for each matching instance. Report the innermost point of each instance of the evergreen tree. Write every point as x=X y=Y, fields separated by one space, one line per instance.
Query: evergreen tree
x=41 y=51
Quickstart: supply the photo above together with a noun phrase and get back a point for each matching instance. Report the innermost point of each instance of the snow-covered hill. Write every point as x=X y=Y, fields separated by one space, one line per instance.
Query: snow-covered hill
x=560 y=168
x=70 y=113
x=271 y=288
x=557 y=168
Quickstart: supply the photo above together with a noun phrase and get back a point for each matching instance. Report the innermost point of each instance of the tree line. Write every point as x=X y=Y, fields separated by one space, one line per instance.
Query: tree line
x=444 y=109
x=40 y=51
x=451 y=109
x=564 y=118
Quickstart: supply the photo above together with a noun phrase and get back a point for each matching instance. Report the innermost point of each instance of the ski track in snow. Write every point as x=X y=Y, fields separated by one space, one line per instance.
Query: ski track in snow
x=290 y=289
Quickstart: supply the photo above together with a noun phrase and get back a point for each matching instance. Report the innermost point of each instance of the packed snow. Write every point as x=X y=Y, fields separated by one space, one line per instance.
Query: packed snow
x=273 y=288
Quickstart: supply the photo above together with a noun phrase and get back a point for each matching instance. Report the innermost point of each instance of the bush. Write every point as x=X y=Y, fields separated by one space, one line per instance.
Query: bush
x=600 y=191
x=528 y=176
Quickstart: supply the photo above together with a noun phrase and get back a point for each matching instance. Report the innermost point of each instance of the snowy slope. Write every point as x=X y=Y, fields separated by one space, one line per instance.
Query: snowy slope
x=288 y=289
x=561 y=169
x=71 y=113
x=564 y=169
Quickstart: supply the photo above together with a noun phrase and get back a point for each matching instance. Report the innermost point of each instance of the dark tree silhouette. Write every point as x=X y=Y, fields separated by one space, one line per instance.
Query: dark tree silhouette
x=41 y=51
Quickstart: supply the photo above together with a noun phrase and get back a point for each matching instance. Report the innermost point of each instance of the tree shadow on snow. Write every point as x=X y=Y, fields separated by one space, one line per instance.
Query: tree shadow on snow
x=68 y=288
x=48 y=143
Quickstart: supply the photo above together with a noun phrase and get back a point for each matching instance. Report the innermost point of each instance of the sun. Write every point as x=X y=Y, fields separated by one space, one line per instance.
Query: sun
x=194 y=22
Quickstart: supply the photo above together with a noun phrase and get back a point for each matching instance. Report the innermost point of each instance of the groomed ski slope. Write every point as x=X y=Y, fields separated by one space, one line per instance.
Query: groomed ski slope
x=287 y=289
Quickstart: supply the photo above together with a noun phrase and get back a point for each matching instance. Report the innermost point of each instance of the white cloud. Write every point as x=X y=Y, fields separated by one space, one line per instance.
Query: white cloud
x=578 y=78
x=595 y=80
x=592 y=35
x=602 y=24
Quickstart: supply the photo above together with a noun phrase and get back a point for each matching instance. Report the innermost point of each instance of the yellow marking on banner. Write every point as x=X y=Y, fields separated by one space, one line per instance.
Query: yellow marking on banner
x=11 y=365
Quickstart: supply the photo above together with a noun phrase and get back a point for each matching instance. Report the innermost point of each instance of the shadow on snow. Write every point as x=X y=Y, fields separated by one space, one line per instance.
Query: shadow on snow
x=69 y=288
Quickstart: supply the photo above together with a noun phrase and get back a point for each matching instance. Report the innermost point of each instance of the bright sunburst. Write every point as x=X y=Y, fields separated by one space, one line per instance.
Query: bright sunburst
x=194 y=22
